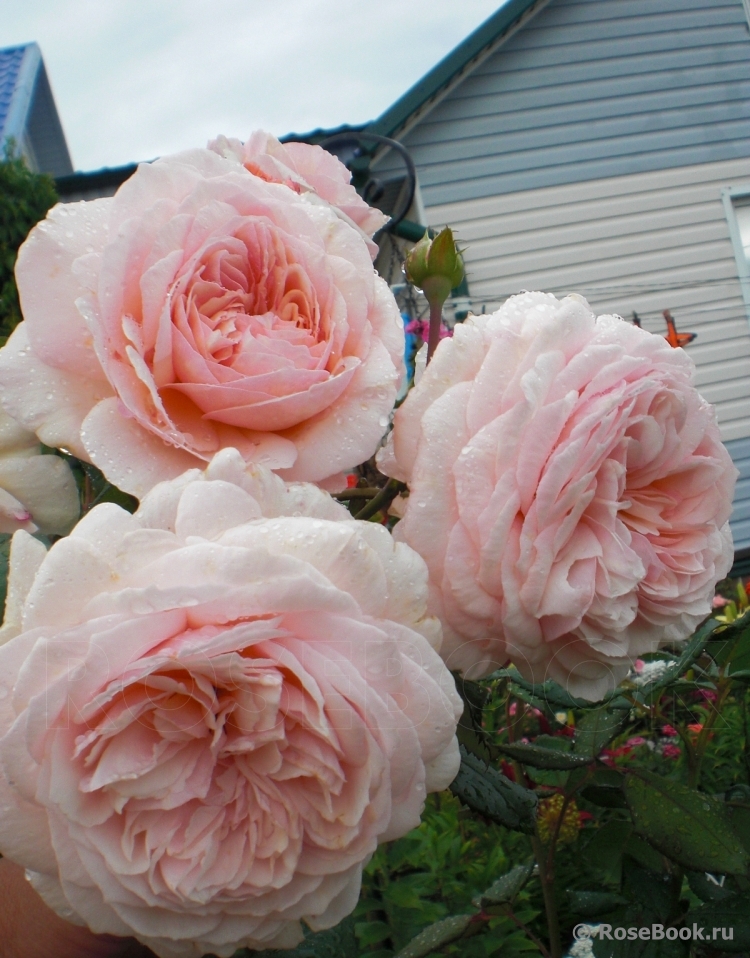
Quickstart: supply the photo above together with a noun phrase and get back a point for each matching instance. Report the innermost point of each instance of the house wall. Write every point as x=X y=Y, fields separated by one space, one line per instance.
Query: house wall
x=590 y=89
x=645 y=242
x=588 y=154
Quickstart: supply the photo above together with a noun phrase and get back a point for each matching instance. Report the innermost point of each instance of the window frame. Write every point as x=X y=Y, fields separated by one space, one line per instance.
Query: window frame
x=729 y=197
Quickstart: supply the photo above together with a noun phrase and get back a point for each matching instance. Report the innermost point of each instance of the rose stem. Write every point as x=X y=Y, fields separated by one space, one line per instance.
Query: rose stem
x=384 y=498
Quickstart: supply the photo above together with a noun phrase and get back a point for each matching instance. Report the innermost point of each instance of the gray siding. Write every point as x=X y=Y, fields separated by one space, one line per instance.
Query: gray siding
x=592 y=89
x=644 y=242
x=740 y=453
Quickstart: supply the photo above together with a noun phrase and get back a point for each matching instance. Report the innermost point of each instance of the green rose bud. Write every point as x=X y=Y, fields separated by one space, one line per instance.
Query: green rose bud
x=437 y=268
x=435 y=258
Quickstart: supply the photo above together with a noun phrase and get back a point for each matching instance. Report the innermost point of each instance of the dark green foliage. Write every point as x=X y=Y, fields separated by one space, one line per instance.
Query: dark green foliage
x=4 y=557
x=93 y=488
x=493 y=795
x=338 y=942
x=443 y=868
x=688 y=826
x=25 y=198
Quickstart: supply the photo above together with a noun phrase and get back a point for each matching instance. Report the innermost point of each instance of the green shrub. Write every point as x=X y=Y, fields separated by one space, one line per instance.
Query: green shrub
x=25 y=198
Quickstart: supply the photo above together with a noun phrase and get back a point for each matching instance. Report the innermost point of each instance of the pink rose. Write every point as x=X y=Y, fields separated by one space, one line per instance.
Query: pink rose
x=37 y=491
x=210 y=719
x=568 y=491
x=305 y=169
x=199 y=308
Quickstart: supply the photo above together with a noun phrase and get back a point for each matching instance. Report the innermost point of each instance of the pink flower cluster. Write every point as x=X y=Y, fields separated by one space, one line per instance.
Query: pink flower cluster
x=213 y=710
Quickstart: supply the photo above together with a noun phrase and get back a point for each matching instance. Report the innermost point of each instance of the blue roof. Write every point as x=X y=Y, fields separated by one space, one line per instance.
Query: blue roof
x=28 y=115
x=10 y=64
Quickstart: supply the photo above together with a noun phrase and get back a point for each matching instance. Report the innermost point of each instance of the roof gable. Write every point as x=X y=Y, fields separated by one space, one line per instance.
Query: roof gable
x=452 y=69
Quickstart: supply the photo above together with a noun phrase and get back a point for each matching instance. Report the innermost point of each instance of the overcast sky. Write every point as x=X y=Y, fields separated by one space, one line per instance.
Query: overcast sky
x=135 y=79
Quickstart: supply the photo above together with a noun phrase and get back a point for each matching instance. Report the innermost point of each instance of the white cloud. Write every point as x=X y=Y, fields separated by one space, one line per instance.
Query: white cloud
x=134 y=79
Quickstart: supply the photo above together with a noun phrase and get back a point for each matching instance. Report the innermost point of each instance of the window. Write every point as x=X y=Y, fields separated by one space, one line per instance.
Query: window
x=737 y=208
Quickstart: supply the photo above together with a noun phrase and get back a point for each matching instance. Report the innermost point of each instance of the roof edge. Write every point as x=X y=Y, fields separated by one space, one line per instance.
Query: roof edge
x=23 y=94
x=452 y=68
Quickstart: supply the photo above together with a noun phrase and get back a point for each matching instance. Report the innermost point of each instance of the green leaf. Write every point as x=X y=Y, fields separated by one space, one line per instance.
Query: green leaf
x=596 y=729
x=645 y=854
x=436 y=936
x=707 y=890
x=549 y=692
x=371 y=932
x=338 y=942
x=589 y=904
x=731 y=913
x=685 y=825
x=505 y=888
x=402 y=894
x=537 y=756
x=732 y=645
x=689 y=655
x=470 y=733
x=739 y=816
x=605 y=796
x=490 y=793
x=603 y=853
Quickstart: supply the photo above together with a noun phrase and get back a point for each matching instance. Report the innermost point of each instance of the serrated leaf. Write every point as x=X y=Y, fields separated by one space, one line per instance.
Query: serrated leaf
x=731 y=914
x=685 y=825
x=469 y=731
x=596 y=729
x=436 y=936
x=537 y=756
x=689 y=655
x=337 y=942
x=549 y=692
x=490 y=793
x=505 y=888
x=706 y=889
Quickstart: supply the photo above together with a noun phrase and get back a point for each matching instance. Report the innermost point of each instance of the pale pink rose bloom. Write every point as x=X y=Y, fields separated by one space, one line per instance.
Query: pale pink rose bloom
x=210 y=718
x=37 y=491
x=200 y=308
x=568 y=491
x=304 y=168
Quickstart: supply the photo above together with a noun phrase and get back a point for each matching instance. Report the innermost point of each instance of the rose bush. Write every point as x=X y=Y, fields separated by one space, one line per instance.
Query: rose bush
x=37 y=492
x=568 y=491
x=213 y=710
x=204 y=307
